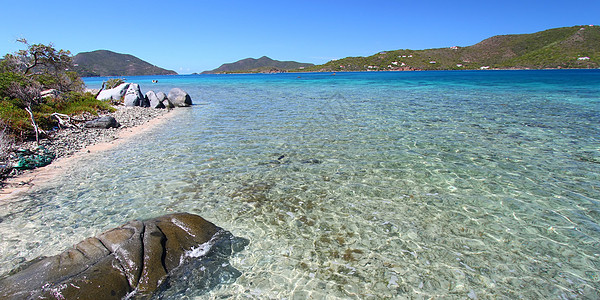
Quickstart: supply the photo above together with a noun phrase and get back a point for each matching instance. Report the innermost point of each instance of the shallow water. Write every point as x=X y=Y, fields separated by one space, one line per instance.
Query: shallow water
x=358 y=185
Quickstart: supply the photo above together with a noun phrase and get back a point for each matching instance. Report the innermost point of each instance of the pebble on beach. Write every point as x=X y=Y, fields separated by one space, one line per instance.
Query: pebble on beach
x=67 y=141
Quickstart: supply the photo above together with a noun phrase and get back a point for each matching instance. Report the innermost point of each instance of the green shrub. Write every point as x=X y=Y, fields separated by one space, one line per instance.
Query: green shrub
x=75 y=103
x=18 y=122
x=8 y=78
x=14 y=117
x=113 y=83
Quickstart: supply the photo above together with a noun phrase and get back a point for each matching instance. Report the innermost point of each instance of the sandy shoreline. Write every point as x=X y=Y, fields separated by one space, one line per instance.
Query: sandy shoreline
x=25 y=182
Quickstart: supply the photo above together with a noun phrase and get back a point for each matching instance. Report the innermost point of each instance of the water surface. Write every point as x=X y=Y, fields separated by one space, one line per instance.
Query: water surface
x=482 y=184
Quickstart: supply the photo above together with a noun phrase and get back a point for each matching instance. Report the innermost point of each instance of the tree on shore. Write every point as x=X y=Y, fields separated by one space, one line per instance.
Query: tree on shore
x=37 y=82
x=33 y=69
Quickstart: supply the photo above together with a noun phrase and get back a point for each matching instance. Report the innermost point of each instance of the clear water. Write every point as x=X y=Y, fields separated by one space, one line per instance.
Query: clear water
x=360 y=185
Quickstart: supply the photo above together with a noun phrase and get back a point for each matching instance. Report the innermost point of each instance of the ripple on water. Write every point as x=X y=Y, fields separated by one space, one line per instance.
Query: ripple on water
x=355 y=187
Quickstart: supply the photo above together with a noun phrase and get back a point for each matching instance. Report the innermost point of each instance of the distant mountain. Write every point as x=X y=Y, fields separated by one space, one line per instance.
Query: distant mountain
x=261 y=65
x=566 y=47
x=108 y=63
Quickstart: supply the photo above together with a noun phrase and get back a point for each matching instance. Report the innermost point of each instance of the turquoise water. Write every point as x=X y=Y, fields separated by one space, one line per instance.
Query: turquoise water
x=482 y=184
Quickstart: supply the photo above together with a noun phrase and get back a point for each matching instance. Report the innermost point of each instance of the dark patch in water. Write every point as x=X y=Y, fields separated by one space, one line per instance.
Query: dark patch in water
x=257 y=192
x=313 y=161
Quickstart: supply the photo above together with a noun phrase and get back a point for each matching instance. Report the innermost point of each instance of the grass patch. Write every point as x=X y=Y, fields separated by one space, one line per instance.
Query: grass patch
x=71 y=103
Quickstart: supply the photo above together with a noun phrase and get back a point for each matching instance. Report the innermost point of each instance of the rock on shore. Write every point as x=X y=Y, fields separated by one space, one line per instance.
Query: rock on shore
x=103 y=122
x=137 y=259
x=179 y=97
x=132 y=95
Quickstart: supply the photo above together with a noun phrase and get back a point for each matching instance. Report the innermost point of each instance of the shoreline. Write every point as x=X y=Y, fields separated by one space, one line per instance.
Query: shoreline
x=368 y=71
x=140 y=121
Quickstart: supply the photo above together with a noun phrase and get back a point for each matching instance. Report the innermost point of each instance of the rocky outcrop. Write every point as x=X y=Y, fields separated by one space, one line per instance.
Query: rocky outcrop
x=153 y=100
x=162 y=97
x=104 y=122
x=116 y=93
x=134 y=97
x=135 y=260
x=179 y=97
x=131 y=95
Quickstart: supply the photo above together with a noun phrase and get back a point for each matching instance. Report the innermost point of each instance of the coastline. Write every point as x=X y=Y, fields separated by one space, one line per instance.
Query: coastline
x=414 y=70
x=81 y=143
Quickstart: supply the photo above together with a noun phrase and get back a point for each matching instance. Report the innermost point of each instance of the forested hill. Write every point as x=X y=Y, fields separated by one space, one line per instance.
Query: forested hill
x=567 y=47
x=108 y=63
x=263 y=64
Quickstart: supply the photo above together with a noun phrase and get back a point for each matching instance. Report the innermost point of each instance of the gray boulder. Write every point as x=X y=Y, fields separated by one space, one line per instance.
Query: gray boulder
x=103 y=122
x=136 y=260
x=153 y=100
x=179 y=97
x=162 y=97
x=134 y=97
x=116 y=93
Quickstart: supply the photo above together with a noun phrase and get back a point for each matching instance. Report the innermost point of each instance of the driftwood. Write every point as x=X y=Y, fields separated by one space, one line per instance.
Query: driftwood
x=61 y=122
x=34 y=124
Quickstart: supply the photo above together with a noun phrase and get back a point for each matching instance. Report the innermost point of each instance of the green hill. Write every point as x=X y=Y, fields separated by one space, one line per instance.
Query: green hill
x=261 y=65
x=567 y=47
x=108 y=63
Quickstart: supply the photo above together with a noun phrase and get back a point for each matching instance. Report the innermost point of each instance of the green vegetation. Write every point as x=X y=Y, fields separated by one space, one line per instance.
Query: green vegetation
x=567 y=47
x=34 y=84
x=108 y=63
x=113 y=83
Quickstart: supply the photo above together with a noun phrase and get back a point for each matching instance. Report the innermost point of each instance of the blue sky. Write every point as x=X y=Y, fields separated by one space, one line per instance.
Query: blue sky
x=193 y=36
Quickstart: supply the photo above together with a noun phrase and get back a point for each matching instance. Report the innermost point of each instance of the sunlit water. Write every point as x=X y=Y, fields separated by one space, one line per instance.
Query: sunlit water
x=362 y=185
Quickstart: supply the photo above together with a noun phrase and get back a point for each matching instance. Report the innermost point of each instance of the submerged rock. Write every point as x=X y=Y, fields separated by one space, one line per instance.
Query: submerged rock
x=179 y=97
x=135 y=260
x=312 y=161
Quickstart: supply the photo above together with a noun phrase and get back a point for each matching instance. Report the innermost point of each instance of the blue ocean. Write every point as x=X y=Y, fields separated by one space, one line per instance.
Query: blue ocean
x=377 y=185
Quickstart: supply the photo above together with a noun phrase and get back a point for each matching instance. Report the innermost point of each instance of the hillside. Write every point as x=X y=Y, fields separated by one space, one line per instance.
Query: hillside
x=567 y=47
x=108 y=63
x=261 y=65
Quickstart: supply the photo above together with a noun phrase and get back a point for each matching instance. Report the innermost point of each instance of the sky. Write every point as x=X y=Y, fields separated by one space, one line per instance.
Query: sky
x=195 y=35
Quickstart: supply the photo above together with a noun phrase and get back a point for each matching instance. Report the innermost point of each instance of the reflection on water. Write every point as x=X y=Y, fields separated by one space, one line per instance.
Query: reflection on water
x=428 y=184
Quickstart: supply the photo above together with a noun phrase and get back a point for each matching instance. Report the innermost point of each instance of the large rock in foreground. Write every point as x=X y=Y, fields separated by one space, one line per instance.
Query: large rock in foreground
x=179 y=97
x=137 y=260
